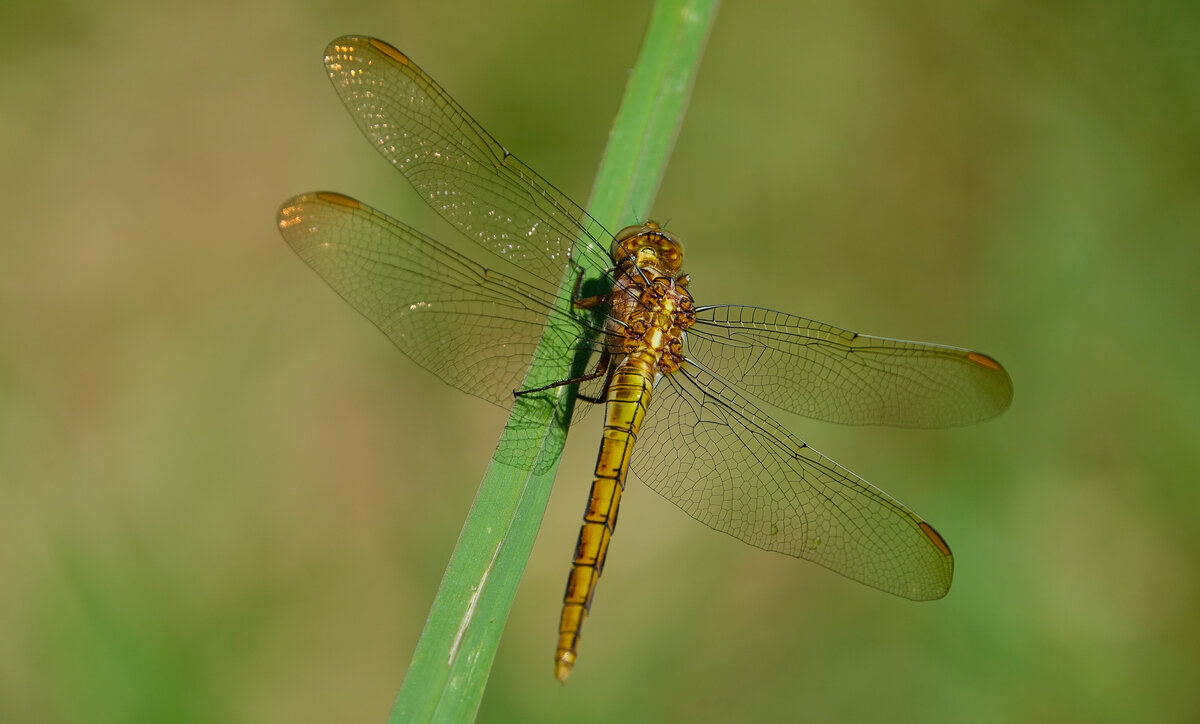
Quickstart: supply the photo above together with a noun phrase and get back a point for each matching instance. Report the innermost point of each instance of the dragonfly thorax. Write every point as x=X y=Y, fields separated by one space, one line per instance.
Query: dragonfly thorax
x=648 y=246
x=650 y=314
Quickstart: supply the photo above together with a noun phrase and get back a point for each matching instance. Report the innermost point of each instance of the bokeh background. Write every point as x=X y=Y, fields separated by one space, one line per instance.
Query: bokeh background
x=225 y=497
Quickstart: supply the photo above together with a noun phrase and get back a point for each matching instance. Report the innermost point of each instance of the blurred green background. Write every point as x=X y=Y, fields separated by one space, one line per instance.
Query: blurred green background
x=225 y=497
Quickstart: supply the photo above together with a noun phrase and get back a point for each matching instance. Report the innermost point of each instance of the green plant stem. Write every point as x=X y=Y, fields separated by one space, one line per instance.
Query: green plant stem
x=453 y=658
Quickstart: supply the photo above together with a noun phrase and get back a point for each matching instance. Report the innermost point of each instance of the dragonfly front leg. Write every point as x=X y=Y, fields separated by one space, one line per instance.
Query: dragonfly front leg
x=588 y=302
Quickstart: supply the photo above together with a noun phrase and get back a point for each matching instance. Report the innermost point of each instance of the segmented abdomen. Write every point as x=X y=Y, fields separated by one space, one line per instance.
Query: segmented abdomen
x=626 y=403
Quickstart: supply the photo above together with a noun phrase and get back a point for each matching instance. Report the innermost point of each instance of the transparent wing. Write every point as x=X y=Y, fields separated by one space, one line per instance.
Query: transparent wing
x=820 y=371
x=723 y=461
x=472 y=326
x=457 y=167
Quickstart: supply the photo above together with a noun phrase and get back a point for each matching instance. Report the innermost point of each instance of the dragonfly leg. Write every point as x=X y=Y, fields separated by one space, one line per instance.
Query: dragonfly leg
x=588 y=302
x=602 y=369
x=603 y=396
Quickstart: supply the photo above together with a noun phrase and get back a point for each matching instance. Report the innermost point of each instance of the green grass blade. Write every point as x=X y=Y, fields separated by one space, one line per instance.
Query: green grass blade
x=453 y=658
x=651 y=111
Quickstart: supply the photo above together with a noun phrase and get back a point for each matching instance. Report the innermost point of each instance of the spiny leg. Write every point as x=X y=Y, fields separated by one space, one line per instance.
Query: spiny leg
x=591 y=302
x=602 y=369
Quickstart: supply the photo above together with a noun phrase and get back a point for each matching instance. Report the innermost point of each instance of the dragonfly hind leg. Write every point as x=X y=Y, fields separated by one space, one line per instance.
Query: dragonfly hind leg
x=603 y=369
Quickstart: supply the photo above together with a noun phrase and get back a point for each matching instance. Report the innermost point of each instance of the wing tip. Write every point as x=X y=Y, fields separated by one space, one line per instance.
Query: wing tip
x=289 y=214
x=935 y=538
x=341 y=45
x=334 y=197
x=999 y=382
x=984 y=361
x=348 y=44
x=292 y=211
x=389 y=50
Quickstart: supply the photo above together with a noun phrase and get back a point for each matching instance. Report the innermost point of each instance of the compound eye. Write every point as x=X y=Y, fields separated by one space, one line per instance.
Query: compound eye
x=629 y=231
x=619 y=250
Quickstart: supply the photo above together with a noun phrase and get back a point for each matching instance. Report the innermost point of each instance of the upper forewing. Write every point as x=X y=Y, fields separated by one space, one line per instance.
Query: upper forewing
x=823 y=372
x=457 y=166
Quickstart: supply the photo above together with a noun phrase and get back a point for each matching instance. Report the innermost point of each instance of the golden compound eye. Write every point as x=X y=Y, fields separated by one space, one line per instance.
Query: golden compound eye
x=648 y=238
x=620 y=250
x=629 y=231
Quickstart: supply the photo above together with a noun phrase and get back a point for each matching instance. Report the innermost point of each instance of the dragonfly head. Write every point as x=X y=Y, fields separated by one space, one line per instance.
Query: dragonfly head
x=649 y=245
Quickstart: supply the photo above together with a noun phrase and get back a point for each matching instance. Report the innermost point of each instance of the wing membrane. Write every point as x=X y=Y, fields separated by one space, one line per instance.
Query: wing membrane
x=473 y=327
x=458 y=167
x=711 y=452
x=819 y=371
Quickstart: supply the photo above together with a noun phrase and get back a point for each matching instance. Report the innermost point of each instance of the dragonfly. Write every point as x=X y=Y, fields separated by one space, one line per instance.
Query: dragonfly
x=676 y=380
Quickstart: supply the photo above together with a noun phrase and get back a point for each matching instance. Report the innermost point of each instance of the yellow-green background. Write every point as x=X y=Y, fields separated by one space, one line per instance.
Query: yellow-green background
x=225 y=497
